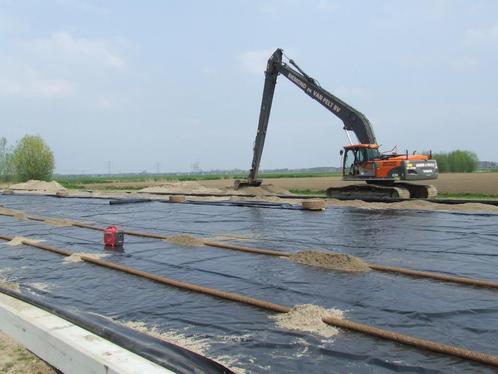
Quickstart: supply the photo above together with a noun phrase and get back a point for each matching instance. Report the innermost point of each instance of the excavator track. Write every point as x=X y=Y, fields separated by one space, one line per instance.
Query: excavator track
x=419 y=191
x=368 y=191
x=398 y=191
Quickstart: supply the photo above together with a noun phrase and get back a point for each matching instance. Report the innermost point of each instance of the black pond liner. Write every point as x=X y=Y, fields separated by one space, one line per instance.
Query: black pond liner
x=246 y=337
x=165 y=354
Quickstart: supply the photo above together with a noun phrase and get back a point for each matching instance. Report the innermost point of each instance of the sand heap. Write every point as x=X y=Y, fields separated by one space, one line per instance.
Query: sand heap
x=185 y=240
x=181 y=187
x=18 y=240
x=76 y=257
x=263 y=190
x=38 y=186
x=336 y=261
x=308 y=318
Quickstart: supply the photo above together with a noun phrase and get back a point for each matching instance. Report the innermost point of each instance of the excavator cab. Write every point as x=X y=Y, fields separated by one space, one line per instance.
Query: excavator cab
x=359 y=160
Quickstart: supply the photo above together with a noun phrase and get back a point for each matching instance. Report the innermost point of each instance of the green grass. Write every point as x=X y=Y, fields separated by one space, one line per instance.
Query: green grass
x=80 y=182
x=308 y=192
x=466 y=195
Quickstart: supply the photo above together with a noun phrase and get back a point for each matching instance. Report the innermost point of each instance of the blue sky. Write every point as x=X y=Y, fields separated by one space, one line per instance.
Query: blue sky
x=166 y=84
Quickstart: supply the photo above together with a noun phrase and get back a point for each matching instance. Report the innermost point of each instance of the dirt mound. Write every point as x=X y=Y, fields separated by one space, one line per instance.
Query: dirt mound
x=61 y=222
x=76 y=257
x=336 y=261
x=308 y=318
x=38 y=186
x=180 y=187
x=264 y=189
x=18 y=240
x=185 y=240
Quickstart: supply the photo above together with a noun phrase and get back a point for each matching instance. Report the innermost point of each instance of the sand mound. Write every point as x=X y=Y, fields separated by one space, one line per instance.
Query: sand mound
x=76 y=257
x=18 y=240
x=308 y=318
x=185 y=240
x=38 y=186
x=336 y=261
x=180 y=187
x=61 y=222
x=21 y=216
x=40 y=286
x=264 y=189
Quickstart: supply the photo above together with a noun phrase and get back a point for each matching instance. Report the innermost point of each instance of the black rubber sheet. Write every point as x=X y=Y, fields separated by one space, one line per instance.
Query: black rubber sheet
x=460 y=244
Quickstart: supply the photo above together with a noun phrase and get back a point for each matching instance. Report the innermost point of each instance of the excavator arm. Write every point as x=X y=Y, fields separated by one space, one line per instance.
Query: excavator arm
x=352 y=119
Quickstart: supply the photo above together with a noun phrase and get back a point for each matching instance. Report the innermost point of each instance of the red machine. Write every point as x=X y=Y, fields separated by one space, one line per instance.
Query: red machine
x=113 y=237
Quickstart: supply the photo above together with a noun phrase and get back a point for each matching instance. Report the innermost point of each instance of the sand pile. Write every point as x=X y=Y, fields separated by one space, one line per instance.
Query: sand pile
x=417 y=205
x=76 y=257
x=180 y=187
x=264 y=189
x=308 y=318
x=60 y=222
x=38 y=186
x=21 y=216
x=40 y=286
x=336 y=261
x=185 y=240
x=7 y=211
x=18 y=240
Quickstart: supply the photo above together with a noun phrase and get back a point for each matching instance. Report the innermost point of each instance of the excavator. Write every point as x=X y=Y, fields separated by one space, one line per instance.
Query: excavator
x=385 y=174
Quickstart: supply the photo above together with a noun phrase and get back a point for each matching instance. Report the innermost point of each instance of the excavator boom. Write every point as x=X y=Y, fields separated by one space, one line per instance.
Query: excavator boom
x=362 y=162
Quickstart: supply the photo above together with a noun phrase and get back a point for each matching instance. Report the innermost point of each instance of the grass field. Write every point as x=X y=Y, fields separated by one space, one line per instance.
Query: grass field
x=454 y=185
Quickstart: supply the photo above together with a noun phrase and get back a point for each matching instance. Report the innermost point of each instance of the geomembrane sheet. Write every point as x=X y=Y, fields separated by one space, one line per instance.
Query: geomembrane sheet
x=244 y=336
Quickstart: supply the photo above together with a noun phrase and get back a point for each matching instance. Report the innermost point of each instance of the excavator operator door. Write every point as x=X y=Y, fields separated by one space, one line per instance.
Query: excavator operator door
x=358 y=162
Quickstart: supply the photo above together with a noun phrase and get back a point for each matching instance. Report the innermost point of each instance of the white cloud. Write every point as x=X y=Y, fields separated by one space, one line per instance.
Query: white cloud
x=36 y=87
x=464 y=63
x=483 y=37
x=254 y=62
x=327 y=6
x=96 y=50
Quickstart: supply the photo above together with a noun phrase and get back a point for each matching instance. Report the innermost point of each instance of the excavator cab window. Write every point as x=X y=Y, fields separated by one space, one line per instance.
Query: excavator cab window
x=349 y=162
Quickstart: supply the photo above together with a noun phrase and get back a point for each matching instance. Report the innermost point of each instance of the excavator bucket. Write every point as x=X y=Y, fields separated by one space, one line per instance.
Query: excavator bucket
x=243 y=183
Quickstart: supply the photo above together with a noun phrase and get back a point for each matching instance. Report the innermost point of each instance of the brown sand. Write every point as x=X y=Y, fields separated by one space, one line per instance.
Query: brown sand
x=40 y=286
x=21 y=216
x=336 y=261
x=17 y=240
x=60 y=222
x=181 y=187
x=38 y=186
x=308 y=318
x=9 y=285
x=76 y=257
x=15 y=359
x=185 y=240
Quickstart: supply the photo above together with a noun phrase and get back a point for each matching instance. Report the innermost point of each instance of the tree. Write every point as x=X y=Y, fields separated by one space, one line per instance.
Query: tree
x=6 y=165
x=457 y=161
x=33 y=159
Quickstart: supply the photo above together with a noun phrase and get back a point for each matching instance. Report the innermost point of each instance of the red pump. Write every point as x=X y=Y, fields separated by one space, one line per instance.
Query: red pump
x=113 y=237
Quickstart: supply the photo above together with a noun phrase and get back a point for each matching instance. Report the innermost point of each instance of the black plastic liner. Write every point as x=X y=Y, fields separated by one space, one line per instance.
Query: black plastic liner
x=165 y=354
x=246 y=337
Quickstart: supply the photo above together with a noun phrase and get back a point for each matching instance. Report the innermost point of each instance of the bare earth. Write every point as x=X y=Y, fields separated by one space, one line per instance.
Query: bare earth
x=486 y=183
x=14 y=359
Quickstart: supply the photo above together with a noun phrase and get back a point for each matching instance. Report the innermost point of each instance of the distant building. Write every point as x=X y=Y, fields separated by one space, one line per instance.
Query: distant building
x=488 y=165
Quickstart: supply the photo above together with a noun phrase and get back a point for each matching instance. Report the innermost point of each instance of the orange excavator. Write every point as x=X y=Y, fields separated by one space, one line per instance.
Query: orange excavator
x=386 y=175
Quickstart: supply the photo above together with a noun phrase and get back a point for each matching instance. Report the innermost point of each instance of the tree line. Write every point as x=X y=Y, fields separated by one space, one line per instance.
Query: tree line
x=31 y=158
x=457 y=161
